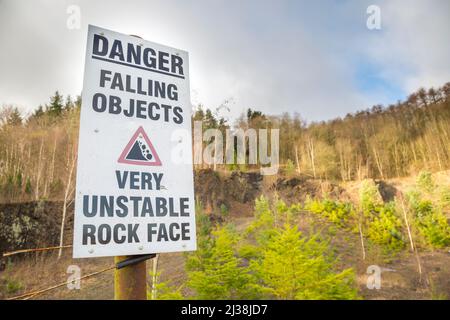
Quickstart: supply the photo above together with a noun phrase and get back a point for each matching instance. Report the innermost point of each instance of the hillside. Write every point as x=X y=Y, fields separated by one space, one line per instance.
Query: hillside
x=401 y=280
x=370 y=190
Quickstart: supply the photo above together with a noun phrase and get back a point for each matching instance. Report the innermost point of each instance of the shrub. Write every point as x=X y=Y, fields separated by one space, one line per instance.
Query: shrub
x=13 y=286
x=224 y=210
x=290 y=168
x=284 y=213
x=268 y=262
x=432 y=224
x=445 y=196
x=383 y=227
x=220 y=275
x=435 y=229
x=369 y=196
x=262 y=227
x=335 y=211
x=381 y=223
x=164 y=290
x=425 y=181
x=292 y=267
x=429 y=220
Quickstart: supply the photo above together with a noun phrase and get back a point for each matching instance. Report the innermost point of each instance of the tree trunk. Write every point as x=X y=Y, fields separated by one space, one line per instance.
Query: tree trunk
x=311 y=155
x=378 y=162
x=38 y=177
x=66 y=198
x=296 y=160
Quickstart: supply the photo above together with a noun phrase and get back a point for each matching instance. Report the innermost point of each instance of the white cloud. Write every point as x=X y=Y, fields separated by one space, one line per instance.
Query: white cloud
x=273 y=56
x=413 y=50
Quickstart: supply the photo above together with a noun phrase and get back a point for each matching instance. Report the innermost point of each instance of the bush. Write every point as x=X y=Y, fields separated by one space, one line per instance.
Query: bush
x=262 y=227
x=425 y=181
x=220 y=274
x=429 y=220
x=369 y=196
x=290 y=168
x=11 y=286
x=268 y=262
x=435 y=229
x=164 y=290
x=292 y=267
x=432 y=224
x=381 y=223
x=335 y=211
x=204 y=228
x=224 y=211
x=445 y=196
x=383 y=227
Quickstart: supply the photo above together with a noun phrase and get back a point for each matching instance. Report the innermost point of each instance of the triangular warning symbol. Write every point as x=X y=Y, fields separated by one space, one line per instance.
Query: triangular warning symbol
x=140 y=151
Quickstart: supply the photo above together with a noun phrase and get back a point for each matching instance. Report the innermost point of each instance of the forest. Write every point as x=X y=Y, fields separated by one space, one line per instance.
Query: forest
x=38 y=151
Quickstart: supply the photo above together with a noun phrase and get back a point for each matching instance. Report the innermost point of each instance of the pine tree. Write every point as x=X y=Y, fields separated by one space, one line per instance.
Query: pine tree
x=165 y=290
x=78 y=102
x=219 y=273
x=38 y=112
x=209 y=120
x=14 y=118
x=69 y=103
x=292 y=267
x=56 y=105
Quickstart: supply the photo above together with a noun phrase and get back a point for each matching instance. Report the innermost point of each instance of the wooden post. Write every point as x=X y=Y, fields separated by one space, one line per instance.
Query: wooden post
x=155 y=277
x=130 y=283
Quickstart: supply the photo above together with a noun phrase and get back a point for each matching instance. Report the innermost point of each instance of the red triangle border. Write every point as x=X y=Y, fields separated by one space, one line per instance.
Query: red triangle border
x=122 y=158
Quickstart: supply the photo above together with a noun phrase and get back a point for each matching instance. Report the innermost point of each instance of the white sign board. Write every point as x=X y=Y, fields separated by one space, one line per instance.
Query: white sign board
x=132 y=196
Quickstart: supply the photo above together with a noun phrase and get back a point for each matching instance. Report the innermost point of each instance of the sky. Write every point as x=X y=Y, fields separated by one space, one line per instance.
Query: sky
x=315 y=58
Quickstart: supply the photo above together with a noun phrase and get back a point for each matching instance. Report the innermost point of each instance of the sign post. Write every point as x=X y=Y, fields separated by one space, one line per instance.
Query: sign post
x=135 y=194
x=130 y=282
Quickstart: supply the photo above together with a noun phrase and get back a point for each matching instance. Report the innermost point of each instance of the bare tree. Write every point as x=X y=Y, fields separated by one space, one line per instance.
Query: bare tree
x=68 y=191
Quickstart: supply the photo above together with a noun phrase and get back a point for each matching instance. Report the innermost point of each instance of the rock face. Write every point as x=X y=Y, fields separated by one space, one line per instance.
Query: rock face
x=298 y=189
x=29 y=225
x=36 y=224
x=214 y=190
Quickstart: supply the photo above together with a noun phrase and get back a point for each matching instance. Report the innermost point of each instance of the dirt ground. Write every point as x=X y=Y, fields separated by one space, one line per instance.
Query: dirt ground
x=400 y=278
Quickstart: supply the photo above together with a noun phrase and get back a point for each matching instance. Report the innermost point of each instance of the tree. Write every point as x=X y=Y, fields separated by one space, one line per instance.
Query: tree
x=78 y=102
x=219 y=273
x=10 y=116
x=253 y=114
x=56 y=105
x=69 y=103
x=433 y=95
x=209 y=121
x=293 y=267
x=422 y=95
x=15 y=118
x=38 y=112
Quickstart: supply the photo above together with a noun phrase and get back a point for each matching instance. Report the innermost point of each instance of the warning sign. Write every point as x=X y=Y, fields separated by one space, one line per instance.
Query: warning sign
x=132 y=197
x=140 y=151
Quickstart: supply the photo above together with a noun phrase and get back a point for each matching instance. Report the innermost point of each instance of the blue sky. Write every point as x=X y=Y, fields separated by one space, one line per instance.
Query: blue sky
x=369 y=81
x=316 y=58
